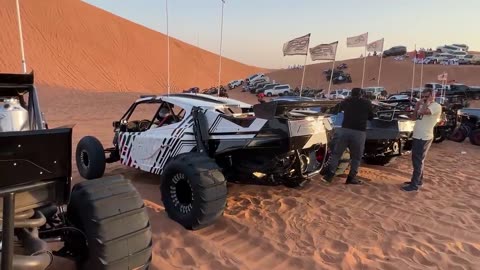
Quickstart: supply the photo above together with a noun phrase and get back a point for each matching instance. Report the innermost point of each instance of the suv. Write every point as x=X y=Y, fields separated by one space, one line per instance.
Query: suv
x=278 y=89
x=97 y=224
x=395 y=51
x=234 y=84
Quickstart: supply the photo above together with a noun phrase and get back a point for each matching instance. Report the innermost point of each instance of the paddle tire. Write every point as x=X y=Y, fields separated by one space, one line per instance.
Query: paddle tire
x=458 y=135
x=90 y=158
x=475 y=137
x=114 y=222
x=194 y=190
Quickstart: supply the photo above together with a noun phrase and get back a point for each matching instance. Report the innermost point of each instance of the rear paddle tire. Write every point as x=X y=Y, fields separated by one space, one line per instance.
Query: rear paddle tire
x=194 y=190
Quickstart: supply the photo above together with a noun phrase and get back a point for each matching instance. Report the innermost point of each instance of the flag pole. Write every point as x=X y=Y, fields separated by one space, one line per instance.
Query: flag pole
x=168 y=49
x=421 y=75
x=220 y=61
x=380 y=68
x=413 y=72
x=331 y=74
x=303 y=76
x=364 y=61
x=24 y=64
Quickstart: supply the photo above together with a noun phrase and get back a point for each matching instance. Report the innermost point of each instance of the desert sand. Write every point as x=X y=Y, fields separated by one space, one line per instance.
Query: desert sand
x=374 y=226
x=91 y=65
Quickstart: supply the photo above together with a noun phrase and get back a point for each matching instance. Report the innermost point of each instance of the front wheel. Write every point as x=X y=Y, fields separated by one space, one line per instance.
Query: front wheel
x=194 y=190
x=90 y=158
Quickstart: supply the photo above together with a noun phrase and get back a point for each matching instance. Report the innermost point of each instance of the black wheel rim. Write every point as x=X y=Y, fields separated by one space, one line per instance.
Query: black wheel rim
x=84 y=159
x=181 y=193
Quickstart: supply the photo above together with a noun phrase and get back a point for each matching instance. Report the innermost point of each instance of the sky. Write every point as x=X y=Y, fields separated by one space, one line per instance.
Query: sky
x=254 y=31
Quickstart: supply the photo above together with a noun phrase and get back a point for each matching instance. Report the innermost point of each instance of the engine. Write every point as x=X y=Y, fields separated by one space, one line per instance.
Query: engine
x=13 y=117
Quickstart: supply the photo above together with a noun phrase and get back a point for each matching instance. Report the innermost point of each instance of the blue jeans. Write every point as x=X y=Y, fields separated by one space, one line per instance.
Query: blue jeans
x=355 y=141
x=419 y=153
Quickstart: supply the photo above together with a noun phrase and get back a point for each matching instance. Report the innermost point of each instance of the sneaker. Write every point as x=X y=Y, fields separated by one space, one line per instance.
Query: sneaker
x=410 y=182
x=353 y=181
x=328 y=177
x=410 y=188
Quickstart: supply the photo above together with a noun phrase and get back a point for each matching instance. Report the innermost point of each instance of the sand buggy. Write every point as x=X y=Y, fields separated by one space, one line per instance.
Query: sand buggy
x=100 y=224
x=198 y=142
x=342 y=78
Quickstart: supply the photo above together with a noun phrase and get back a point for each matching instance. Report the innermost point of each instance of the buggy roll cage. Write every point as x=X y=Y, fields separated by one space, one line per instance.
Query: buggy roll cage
x=17 y=85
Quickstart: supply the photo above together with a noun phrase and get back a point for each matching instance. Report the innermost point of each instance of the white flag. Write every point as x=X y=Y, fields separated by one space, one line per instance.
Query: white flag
x=297 y=46
x=324 y=51
x=376 y=46
x=357 y=41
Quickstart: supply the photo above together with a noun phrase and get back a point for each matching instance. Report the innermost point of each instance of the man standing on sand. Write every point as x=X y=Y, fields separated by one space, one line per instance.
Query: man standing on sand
x=352 y=134
x=427 y=112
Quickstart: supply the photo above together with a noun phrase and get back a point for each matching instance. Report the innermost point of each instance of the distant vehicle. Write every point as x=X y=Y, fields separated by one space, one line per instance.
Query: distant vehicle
x=342 y=78
x=235 y=83
x=434 y=86
x=266 y=87
x=278 y=89
x=192 y=90
x=450 y=49
x=459 y=54
x=254 y=77
x=472 y=59
x=464 y=47
x=395 y=51
x=375 y=91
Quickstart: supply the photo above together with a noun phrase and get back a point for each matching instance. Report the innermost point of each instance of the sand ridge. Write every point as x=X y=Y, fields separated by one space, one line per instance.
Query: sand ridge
x=71 y=44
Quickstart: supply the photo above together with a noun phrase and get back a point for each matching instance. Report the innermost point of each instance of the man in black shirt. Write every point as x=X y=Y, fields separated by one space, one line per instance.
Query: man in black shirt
x=357 y=111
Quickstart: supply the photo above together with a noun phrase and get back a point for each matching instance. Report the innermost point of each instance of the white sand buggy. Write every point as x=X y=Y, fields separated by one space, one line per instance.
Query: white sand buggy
x=196 y=142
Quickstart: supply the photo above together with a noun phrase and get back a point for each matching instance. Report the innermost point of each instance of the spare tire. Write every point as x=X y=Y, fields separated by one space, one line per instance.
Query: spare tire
x=194 y=190
x=114 y=222
x=475 y=137
x=90 y=158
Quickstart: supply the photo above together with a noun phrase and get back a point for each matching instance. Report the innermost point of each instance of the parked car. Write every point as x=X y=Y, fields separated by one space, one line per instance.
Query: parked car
x=235 y=83
x=276 y=90
x=395 y=51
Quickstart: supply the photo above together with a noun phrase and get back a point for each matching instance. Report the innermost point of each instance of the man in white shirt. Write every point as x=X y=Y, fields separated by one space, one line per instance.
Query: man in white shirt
x=427 y=113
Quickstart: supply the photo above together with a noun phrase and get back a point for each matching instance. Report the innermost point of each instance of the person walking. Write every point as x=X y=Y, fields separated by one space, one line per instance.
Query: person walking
x=427 y=112
x=357 y=111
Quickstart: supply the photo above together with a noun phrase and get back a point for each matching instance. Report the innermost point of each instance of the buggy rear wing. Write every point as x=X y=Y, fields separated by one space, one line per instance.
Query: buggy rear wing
x=16 y=79
x=269 y=110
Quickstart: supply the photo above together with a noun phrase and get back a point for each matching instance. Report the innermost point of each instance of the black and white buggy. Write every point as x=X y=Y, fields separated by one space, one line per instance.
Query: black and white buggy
x=197 y=142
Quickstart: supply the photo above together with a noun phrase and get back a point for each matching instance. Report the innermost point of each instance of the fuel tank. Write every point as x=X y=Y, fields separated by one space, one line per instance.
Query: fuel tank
x=13 y=117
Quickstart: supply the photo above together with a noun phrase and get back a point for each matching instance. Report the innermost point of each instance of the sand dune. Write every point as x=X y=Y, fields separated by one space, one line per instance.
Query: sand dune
x=396 y=75
x=69 y=43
